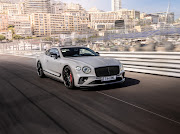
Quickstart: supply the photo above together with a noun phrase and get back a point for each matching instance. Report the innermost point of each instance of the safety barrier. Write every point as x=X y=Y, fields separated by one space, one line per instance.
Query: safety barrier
x=160 y=63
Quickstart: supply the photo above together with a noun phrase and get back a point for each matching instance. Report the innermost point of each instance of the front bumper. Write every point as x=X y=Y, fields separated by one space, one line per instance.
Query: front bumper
x=93 y=81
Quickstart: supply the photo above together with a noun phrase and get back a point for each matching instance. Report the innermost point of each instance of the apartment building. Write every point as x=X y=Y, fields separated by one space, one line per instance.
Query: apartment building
x=156 y=18
x=57 y=7
x=21 y=17
x=23 y=28
x=22 y=24
x=165 y=17
x=52 y=24
x=106 y=20
x=79 y=12
x=37 y=6
x=150 y=19
x=11 y=9
x=3 y=21
x=7 y=34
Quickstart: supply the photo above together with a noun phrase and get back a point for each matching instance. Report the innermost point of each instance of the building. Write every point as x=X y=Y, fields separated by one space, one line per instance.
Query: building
x=13 y=18
x=37 y=6
x=144 y=28
x=3 y=22
x=116 y=5
x=11 y=8
x=77 y=11
x=156 y=18
x=22 y=24
x=64 y=18
x=150 y=19
x=7 y=34
x=23 y=28
x=165 y=17
x=101 y=20
x=57 y=7
x=54 y=24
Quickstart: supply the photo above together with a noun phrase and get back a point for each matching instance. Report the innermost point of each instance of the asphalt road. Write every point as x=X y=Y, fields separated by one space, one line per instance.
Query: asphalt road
x=144 y=104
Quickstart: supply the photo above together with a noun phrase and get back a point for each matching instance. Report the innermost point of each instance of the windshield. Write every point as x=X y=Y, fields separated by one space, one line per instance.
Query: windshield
x=77 y=52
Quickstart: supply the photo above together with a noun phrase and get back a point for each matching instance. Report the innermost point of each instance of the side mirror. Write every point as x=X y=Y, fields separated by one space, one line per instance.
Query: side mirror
x=54 y=55
x=98 y=53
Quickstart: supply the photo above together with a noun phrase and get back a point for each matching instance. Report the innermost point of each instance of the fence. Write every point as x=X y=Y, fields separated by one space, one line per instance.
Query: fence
x=160 y=63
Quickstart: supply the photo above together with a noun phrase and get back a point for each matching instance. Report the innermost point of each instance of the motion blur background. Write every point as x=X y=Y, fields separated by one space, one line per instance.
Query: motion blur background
x=111 y=25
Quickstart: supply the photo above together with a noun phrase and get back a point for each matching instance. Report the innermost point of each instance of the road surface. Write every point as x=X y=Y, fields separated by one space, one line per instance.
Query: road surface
x=144 y=104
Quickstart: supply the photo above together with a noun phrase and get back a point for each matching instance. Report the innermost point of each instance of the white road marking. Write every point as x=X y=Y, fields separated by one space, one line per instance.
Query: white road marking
x=161 y=116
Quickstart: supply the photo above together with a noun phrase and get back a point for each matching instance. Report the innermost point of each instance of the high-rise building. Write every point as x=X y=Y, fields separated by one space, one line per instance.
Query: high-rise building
x=116 y=5
x=37 y=6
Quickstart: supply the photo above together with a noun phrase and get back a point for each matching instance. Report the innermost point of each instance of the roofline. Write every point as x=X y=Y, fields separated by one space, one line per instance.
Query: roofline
x=68 y=46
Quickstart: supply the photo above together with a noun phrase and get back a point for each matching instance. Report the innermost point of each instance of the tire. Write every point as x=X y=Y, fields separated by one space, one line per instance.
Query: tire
x=68 y=78
x=40 y=71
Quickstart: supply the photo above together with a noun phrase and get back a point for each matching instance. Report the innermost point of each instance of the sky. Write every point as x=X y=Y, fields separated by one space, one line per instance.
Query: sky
x=147 y=6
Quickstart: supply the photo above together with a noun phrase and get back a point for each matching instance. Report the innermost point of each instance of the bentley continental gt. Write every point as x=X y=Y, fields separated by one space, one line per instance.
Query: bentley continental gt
x=79 y=67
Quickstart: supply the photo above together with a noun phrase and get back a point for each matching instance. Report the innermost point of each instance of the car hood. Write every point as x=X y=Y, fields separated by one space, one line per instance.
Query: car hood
x=97 y=61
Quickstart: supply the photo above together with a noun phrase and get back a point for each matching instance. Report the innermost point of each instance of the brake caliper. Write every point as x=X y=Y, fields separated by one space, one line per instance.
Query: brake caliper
x=71 y=77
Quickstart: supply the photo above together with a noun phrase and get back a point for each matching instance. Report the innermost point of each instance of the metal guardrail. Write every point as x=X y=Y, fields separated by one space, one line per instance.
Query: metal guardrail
x=25 y=53
x=160 y=63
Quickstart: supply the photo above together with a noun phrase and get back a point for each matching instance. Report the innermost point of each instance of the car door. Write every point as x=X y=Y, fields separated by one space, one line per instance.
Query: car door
x=45 y=59
x=53 y=64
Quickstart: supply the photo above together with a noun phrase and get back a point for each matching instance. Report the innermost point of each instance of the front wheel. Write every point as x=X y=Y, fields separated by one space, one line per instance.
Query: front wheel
x=40 y=70
x=68 y=78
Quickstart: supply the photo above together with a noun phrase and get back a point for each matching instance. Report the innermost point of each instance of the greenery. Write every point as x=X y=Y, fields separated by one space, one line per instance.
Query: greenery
x=11 y=27
x=48 y=38
x=2 y=37
x=29 y=37
x=17 y=37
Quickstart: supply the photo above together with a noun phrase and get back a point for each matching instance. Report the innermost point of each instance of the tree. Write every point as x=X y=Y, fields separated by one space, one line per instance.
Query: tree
x=2 y=37
x=29 y=37
x=11 y=27
x=17 y=37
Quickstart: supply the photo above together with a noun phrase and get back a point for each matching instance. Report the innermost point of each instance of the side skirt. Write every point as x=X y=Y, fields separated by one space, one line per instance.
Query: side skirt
x=53 y=76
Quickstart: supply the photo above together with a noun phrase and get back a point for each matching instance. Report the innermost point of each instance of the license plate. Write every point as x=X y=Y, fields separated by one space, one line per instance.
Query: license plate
x=109 y=78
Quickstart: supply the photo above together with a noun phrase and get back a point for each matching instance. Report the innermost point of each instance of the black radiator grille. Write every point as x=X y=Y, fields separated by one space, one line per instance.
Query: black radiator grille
x=107 y=71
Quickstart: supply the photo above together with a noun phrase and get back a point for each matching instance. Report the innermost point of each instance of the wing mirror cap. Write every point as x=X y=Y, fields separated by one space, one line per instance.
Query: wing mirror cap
x=54 y=55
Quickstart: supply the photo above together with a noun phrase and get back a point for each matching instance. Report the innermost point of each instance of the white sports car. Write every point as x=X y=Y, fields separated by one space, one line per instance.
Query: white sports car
x=79 y=67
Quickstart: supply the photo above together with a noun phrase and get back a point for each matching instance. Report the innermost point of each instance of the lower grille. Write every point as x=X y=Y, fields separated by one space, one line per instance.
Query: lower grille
x=107 y=71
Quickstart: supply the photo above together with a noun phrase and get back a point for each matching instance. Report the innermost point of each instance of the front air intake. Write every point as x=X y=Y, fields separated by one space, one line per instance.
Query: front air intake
x=107 y=71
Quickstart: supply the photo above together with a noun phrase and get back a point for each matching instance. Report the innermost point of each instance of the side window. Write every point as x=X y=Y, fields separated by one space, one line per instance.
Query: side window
x=54 y=51
x=47 y=52
x=51 y=51
x=85 y=52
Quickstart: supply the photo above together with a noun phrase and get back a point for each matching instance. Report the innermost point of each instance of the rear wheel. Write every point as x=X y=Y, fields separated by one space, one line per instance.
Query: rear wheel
x=40 y=70
x=68 y=78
